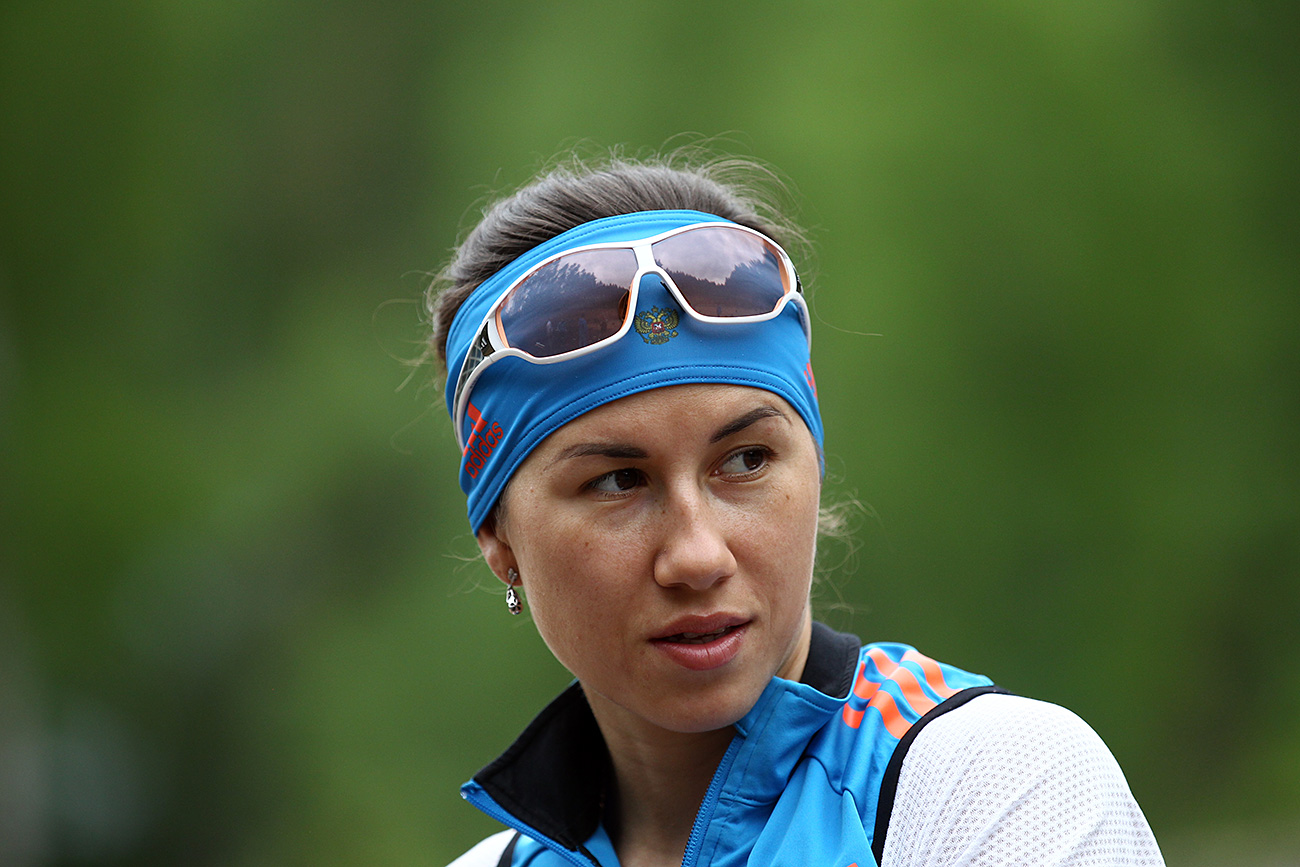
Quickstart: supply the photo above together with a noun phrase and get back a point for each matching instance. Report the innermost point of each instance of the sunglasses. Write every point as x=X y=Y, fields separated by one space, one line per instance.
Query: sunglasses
x=584 y=298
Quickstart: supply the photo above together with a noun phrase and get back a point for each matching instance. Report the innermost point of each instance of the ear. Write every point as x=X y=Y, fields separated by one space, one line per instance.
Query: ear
x=496 y=550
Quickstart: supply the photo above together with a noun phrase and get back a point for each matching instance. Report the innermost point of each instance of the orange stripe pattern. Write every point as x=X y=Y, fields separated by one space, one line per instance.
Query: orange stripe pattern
x=901 y=692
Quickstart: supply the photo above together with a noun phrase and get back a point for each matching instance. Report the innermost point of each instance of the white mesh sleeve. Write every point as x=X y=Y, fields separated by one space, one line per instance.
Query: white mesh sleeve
x=1009 y=780
x=487 y=852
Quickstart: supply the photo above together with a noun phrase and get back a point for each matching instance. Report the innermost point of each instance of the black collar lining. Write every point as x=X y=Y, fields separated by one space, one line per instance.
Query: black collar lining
x=553 y=776
x=832 y=661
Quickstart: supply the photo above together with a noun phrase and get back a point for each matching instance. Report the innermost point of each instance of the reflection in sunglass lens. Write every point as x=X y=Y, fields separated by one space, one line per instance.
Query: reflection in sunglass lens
x=572 y=302
x=723 y=272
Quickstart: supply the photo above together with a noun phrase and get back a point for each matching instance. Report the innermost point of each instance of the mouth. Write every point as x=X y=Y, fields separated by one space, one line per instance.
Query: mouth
x=696 y=637
x=703 y=643
x=699 y=628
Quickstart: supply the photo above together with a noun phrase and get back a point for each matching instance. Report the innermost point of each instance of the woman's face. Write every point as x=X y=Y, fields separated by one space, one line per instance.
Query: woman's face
x=665 y=542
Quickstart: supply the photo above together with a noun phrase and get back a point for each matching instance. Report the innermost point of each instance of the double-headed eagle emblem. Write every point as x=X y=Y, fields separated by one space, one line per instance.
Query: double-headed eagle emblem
x=657 y=325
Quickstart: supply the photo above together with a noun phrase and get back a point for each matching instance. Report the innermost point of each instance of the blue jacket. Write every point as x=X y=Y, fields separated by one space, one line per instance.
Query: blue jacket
x=808 y=779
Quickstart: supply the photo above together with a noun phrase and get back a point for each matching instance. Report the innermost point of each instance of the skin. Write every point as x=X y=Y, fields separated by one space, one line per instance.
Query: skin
x=685 y=501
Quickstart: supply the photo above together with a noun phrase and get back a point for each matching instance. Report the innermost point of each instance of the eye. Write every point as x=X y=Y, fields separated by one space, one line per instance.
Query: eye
x=745 y=462
x=616 y=482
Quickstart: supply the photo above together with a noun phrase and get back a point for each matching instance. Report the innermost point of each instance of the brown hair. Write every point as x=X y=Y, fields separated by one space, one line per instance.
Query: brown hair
x=578 y=190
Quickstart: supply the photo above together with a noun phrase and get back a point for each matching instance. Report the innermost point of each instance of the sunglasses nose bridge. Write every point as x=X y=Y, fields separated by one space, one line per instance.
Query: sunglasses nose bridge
x=645 y=258
x=660 y=284
x=648 y=265
x=648 y=268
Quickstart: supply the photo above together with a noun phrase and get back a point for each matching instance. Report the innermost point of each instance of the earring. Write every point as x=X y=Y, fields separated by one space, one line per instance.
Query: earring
x=513 y=602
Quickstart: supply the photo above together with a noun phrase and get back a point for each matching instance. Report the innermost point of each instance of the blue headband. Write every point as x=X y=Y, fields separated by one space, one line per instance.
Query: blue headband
x=519 y=403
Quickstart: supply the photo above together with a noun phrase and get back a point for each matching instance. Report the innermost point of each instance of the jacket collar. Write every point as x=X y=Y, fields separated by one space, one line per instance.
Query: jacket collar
x=553 y=777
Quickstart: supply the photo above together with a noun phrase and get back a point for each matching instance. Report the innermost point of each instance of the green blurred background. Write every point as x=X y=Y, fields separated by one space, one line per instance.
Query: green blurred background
x=1056 y=285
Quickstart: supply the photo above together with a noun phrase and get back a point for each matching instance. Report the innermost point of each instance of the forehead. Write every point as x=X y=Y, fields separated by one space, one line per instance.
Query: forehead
x=674 y=413
x=685 y=422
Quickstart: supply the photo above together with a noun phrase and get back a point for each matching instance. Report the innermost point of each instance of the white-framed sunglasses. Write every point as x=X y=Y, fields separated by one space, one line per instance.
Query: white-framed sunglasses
x=582 y=299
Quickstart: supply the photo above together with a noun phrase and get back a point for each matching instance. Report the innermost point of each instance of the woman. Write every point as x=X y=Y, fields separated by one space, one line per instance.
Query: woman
x=627 y=350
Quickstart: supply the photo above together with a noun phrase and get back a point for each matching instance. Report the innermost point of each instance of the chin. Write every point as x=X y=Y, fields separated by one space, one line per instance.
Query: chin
x=709 y=711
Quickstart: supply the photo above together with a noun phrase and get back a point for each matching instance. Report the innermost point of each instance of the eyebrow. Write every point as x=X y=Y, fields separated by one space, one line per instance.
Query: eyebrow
x=755 y=415
x=617 y=451
x=624 y=452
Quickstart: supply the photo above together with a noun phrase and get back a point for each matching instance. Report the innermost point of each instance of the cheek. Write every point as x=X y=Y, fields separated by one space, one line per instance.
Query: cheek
x=791 y=516
x=557 y=599
x=791 y=542
x=571 y=592
x=580 y=624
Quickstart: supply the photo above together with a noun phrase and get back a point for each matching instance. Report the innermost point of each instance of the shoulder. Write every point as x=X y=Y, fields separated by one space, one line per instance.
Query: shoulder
x=993 y=722
x=1009 y=779
x=487 y=852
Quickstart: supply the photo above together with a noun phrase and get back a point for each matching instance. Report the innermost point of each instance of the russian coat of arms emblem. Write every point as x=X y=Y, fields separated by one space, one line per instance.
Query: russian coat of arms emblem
x=657 y=325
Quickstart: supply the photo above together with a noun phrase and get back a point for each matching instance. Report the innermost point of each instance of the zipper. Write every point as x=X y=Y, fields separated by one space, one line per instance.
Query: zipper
x=705 y=815
x=483 y=801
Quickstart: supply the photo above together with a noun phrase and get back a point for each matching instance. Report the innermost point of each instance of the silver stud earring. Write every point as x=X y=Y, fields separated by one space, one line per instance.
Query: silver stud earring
x=513 y=602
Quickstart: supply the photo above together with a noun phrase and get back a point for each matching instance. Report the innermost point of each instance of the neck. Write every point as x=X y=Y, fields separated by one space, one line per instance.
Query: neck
x=660 y=779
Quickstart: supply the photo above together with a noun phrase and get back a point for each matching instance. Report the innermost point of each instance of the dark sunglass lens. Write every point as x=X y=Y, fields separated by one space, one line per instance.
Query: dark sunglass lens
x=724 y=272
x=575 y=301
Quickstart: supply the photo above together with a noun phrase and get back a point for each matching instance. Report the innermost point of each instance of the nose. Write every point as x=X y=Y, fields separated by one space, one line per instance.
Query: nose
x=694 y=551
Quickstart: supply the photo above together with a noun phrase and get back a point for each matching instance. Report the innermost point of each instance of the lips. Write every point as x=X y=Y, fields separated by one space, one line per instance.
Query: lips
x=699 y=629
x=696 y=637
x=702 y=643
